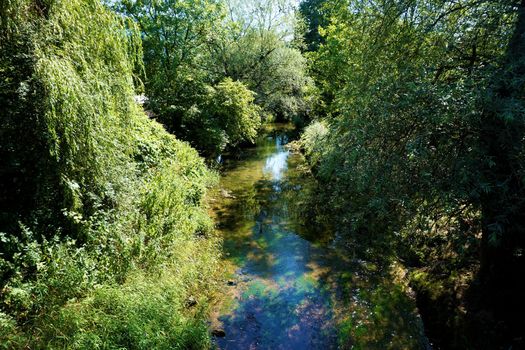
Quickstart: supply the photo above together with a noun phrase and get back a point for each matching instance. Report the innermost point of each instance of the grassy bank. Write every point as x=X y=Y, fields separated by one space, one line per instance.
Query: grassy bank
x=105 y=241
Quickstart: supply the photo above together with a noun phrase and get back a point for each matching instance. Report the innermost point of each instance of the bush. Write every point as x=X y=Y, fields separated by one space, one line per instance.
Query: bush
x=312 y=141
x=227 y=116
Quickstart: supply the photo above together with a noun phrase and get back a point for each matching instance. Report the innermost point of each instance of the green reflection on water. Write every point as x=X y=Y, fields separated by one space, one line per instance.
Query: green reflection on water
x=294 y=290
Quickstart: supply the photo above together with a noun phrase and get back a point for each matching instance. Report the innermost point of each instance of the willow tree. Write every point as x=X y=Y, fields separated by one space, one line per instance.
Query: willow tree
x=65 y=107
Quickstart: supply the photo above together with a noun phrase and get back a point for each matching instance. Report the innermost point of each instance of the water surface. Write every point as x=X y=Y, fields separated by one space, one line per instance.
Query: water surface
x=290 y=285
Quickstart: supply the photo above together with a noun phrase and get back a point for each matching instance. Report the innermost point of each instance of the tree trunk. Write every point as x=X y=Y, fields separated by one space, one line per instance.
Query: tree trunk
x=502 y=273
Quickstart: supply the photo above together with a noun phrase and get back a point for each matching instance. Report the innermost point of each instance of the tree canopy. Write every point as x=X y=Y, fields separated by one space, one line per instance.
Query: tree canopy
x=191 y=46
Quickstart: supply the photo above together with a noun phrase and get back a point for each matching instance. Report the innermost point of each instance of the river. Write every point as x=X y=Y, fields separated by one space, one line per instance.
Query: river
x=291 y=284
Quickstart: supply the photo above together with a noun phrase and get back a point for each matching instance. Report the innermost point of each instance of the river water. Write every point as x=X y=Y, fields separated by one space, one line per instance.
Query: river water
x=290 y=284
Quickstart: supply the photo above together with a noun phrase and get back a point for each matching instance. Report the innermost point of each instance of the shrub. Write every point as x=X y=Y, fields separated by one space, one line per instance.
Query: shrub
x=227 y=116
x=312 y=141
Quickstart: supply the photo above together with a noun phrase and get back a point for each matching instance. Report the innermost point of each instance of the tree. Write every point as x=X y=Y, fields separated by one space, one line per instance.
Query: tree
x=174 y=37
x=426 y=125
x=256 y=47
x=226 y=116
x=313 y=12
x=502 y=143
x=191 y=46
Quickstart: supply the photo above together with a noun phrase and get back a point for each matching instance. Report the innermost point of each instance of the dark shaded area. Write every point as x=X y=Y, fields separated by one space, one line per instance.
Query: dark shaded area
x=496 y=306
x=315 y=15
x=30 y=190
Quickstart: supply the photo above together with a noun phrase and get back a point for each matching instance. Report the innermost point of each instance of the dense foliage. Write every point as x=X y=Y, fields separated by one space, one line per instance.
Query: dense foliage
x=258 y=47
x=417 y=143
x=190 y=47
x=425 y=117
x=102 y=230
x=315 y=15
x=226 y=116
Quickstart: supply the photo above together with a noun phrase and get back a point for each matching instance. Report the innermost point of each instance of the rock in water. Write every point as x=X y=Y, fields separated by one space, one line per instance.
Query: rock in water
x=218 y=333
x=190 y=302
x=227 y=194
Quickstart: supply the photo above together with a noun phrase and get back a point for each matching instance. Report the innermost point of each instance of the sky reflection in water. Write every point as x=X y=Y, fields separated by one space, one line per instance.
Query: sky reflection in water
x=277 y=163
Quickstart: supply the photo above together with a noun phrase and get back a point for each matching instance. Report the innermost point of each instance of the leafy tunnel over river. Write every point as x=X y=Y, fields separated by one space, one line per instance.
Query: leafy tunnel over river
x=292 y=284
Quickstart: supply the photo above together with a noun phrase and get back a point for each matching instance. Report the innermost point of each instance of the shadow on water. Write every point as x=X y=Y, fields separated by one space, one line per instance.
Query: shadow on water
x=289 y=292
